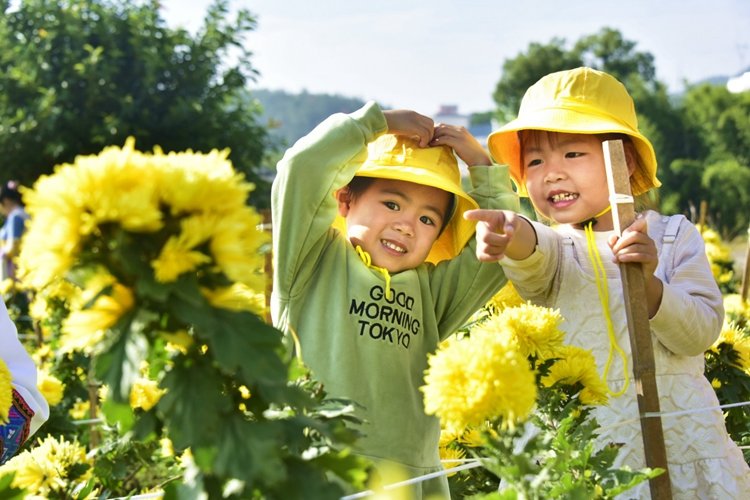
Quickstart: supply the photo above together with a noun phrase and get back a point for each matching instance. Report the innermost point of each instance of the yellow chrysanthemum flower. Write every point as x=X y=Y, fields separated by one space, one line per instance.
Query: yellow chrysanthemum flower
x=79 y=410
x=191 y=182
x=506 y=297
x=179 y=341
x=7 y=285
x=447 y=437
x=50 y=386
x=43 y=470
x=578 y=365
x=237 y=297
x=166 y=447
x=238 y=244
x=387 y=475
x=134 y=192
x=734 y=305
x=6 y=391
x=735 y=337
x=479 y=378
x=84 y=329
x=145 y=394
x=179 y=254
x=451 y=457
x=534 y=328
x=472 y=438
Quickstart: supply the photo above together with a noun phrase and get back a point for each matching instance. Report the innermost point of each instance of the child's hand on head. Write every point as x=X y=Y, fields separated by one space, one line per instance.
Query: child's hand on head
x=463 y=143
x=411 y=124
x=635 y=245
x=495 y=230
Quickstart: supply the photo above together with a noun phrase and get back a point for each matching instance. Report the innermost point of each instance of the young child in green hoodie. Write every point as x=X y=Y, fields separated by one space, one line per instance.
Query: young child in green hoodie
x=372 y=268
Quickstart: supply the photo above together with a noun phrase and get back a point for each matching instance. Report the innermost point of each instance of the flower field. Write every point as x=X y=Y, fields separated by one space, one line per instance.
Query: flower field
x=142 y=302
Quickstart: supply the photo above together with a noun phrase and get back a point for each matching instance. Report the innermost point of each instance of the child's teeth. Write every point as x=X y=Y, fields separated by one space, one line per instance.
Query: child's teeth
x=564 y=197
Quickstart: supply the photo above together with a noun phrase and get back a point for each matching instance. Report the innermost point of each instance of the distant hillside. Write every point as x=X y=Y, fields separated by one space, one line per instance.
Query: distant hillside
x=293 y=115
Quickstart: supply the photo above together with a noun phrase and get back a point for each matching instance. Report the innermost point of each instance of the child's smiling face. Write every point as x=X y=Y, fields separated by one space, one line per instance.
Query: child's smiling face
x=396 y=222
x=565 y=177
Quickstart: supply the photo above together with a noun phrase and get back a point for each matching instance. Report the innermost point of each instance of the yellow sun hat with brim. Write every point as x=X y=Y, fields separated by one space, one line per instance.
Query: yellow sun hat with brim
x=576 y=101
x=401 y=158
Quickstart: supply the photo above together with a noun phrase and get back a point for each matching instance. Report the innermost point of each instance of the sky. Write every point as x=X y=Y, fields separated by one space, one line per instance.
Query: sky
x=419 y=55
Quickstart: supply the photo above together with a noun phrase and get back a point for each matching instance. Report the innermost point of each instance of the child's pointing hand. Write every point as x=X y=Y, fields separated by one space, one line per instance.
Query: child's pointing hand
x=495 y=229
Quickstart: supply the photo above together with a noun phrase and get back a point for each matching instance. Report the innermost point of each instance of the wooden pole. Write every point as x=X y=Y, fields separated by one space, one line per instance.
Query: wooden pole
x=702 y=218
x=636 y=309
x=268 y=267
x=746 y=272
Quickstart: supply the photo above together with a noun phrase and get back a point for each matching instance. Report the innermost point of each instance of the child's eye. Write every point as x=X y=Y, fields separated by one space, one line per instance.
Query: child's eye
x=573 y=154
x=392 y=205
x=427 y=220
x=534 y=162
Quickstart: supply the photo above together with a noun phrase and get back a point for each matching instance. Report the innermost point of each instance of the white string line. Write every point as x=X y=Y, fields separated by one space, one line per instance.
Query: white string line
x=651 y=414
x=473 y=463
x=620 y=199
x=144 y=496
x=414 y=480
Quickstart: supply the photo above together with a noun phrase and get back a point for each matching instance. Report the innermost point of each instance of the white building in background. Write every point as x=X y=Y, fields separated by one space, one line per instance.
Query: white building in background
x=448 y=113
x=739 y=83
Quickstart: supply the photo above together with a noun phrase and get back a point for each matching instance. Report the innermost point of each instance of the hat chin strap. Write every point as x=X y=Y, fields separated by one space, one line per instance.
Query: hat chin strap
x=593 y=220
x=600 y=276
x=367 y=259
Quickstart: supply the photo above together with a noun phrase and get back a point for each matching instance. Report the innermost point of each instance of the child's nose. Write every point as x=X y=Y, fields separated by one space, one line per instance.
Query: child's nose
x=404 y=226
x=552 y=173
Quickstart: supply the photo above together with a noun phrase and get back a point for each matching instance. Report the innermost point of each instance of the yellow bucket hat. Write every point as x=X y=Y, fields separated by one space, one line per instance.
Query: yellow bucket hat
x=401 y=158
x=577 y=101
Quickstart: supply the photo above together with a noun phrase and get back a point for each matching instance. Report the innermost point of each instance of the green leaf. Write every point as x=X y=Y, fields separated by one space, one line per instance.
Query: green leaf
x=120 y=365
x=195 y=404
x=9 y=492
x=118 y=412
x=250 y=451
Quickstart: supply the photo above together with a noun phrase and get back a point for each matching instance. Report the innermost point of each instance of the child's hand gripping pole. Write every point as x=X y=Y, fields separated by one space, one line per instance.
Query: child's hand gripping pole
x=636 y=309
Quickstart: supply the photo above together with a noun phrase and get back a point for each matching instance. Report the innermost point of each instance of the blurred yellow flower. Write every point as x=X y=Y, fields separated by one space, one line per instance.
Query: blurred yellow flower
x=478 y=378
x=178 y=213
x=179 y=341
x=79 y=410
x=6 y=391
x=237 y=297
x=50 y=386
x=145 y=394
x=166 y=447
x=84 y=329
x=6 y=286
x=577 y=365
x=735 y=306
x=43 y=470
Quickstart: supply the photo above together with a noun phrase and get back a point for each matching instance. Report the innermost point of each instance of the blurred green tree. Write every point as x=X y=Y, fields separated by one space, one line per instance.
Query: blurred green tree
x=79 y=75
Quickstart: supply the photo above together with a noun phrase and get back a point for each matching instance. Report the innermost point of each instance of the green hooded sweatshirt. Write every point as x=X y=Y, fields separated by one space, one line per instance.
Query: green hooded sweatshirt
x=360 y=344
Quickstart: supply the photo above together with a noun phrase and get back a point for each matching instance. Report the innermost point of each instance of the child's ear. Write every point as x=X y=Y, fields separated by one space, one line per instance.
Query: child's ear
x=344 y=197
x=631 y=158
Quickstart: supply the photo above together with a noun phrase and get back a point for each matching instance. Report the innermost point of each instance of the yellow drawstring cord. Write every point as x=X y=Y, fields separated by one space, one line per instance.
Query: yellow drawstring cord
x=386 y=275
x=601 y=285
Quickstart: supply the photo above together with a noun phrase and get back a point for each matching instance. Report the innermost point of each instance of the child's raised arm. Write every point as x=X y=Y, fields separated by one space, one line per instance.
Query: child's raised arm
x=463 y=143
x=410 y=124
x=502 y=233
